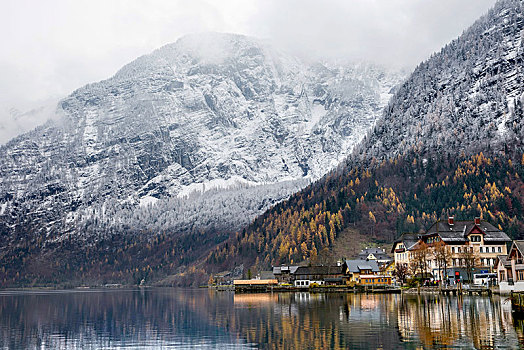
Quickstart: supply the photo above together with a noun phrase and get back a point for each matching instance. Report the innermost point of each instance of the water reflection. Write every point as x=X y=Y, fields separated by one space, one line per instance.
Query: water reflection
x=171 y=318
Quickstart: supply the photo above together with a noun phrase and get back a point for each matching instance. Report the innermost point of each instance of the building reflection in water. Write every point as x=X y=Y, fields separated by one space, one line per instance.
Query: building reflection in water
x=171 y=318
x=468 y=322
x=370 y=321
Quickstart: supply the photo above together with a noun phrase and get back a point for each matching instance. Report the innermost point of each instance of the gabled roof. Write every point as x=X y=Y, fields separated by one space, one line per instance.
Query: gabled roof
x=458 y=232
x=355 y=266
x=409 y=240
x=319 y=270
x=278 y=270
x=502 y=259
x=377 y=252
x=517 y=244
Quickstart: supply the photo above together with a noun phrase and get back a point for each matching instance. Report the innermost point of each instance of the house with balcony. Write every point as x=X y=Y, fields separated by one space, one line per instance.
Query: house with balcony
x=357 y=268
x=284 y=273
x=454 y=249
x=402 y=246
x=510 y=269
x=472 y=245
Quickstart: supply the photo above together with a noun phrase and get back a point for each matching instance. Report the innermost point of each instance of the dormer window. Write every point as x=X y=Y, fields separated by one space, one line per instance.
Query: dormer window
x=475 y=238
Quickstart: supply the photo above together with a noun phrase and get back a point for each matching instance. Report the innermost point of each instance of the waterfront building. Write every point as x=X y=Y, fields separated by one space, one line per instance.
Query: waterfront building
x=388 y=269
x=375 y=280
x=320 y=275
x=510 y=269
x=455 y=249
x=356 y=268
x=284 y=273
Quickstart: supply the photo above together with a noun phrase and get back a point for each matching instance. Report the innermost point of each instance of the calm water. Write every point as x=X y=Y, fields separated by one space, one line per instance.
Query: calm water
x=187 y=319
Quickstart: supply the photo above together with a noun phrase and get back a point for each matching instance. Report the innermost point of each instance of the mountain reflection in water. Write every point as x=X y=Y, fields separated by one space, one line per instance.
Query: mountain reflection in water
x=185 y=318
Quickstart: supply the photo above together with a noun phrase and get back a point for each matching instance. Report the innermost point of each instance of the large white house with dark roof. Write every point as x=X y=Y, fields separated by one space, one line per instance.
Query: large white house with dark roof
x=483 y=241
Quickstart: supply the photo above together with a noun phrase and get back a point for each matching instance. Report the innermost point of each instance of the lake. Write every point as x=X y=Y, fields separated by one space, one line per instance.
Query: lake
x=207 y=319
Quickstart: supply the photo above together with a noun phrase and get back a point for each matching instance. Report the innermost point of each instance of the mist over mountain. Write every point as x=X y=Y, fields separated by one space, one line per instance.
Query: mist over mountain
x=450 y=142
x=201 y=135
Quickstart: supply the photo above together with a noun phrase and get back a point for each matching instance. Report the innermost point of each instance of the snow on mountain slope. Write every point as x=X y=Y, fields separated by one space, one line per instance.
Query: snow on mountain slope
x=469 y=97
x=209 y=109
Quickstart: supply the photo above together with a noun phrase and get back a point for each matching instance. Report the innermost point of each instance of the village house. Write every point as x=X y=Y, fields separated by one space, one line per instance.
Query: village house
x=320 y=275
x=345 y=272
x=389 y=269
x=375 y=280
x=357 y=268
x=402 y=246
x=454 y=249
x=284 y=273
x=510 y=269
x=377 y=254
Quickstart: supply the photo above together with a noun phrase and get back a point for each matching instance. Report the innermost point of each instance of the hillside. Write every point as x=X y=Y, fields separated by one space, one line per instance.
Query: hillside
x=405 y=194
x=186 y=144
x=449 y=143
x=468 y=97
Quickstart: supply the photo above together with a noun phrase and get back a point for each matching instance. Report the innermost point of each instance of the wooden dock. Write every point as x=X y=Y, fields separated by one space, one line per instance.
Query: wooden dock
x=462 y=290
x=452 y=290
x=319 y=289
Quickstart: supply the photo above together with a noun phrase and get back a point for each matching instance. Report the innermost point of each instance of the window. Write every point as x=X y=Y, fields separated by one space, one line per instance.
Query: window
x=520 y=275
x=493 y=249
x=502 y=275
x=500 y=249
x=475 y=238
x=481 y=249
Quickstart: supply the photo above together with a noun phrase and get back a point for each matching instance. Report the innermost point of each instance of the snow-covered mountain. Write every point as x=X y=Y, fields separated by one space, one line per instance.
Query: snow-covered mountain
x=210 y=111
x=468 y=97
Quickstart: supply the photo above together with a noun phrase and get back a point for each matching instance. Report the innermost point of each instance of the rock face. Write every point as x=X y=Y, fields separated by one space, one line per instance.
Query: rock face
x=210 y=111
x=468 y=97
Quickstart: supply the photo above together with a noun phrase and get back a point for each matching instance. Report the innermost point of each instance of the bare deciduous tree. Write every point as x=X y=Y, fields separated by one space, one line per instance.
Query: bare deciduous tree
x=442 y=257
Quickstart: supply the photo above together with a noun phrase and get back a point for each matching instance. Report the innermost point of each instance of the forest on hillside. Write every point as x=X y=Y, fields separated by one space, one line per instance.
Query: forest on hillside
x=404 y=194
x=382 y=200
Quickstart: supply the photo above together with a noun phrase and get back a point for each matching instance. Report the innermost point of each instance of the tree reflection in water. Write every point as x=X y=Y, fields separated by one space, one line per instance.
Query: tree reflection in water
x=178 y=318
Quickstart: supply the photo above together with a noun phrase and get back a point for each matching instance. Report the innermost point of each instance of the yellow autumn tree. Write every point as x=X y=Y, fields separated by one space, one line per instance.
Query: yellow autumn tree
x=372 y=217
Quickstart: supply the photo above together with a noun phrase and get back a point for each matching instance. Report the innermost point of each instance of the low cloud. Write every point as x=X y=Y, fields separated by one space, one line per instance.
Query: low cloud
x=51 y=48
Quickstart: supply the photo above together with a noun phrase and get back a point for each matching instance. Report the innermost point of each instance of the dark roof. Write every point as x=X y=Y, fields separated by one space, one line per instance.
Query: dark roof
x=377 y=252
x=504 y=260
x=519 y=245
x=355 y=266
x=409 y=240
x=267 y=275
x=319 y=270
x=277 y=270
x=460 y=229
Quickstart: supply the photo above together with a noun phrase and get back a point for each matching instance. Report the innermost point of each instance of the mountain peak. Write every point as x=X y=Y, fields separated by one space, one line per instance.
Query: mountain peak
x=210 y=111
x=468 y=97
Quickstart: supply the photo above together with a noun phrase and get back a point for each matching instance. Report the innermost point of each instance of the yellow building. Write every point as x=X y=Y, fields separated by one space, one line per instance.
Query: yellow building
x=375 y=280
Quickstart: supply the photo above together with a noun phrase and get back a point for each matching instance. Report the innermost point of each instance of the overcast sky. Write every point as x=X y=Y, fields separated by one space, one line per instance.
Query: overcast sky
x=50 y=48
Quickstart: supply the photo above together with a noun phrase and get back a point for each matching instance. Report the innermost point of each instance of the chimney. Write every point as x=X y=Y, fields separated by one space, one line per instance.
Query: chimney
x=477 y=221
x=451 y=221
